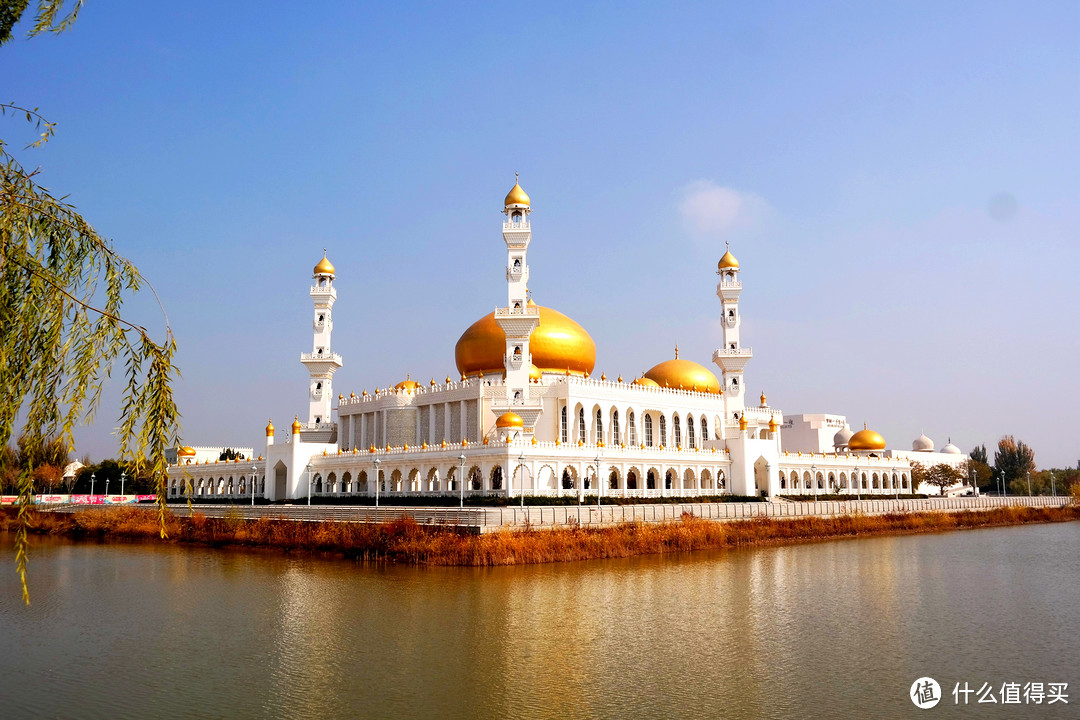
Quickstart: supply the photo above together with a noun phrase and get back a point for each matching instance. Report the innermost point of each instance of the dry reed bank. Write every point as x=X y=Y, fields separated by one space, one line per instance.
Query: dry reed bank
x=406 y=541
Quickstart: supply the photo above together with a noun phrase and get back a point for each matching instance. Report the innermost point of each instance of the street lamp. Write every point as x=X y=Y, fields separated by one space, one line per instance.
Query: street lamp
x=106 y=487
x=1029 y=482
x=974 y=487
x=521 y=467
x=309 y=483
x=123 y=476
x=461 y=478
x=1053 y=488
x=858 y=481
x=378 y=481
x=599 y=485
x=813 y=475
x=254 y=479
x=92 y=476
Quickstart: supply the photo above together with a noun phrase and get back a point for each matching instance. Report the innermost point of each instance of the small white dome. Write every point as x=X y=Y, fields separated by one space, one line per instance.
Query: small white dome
x=951 y=449
x=923 y=444
x=841 y=438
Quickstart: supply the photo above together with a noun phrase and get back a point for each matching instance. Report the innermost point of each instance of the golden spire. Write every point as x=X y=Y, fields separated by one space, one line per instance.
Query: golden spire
x=676 y=351
x=324 y=267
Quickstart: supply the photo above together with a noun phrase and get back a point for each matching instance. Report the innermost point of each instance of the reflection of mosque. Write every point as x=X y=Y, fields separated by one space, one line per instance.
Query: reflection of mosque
x=526 y=414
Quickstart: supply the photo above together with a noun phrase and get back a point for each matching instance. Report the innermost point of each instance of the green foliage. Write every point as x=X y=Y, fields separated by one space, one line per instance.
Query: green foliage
x=1015 y=460
x=942 y=476
x=978 y=454
x=230 y=454
x=62 y=287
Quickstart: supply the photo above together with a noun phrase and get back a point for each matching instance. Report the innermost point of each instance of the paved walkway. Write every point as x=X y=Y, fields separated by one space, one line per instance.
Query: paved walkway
x=488 y=519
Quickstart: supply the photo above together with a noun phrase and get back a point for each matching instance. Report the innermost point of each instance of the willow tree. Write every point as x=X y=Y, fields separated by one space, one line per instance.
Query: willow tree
x=62 y=288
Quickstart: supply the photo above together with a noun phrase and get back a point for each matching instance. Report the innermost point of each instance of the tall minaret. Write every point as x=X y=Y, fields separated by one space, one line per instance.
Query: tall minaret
x=321 y=363
x=519 y=318
x=731 y=357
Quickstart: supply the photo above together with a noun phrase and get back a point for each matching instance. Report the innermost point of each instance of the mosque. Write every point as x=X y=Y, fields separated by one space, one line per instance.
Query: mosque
x=526 y=415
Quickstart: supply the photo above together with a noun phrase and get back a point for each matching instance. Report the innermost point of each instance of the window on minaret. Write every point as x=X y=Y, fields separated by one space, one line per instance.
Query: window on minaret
x=663 y=430
x=678 y=430
x=581 y=424
x=615 y=427
x=704 y=430
x=731 y=314
x=517 y=264
x=599 y=426
x=633 y=430
x=562 y=426
x=648 y=430
x=690 y=433
x=516 y=217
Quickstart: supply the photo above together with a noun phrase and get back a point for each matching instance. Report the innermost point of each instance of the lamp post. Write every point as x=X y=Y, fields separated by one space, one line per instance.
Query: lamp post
x=521 y=467
x=858 y=481
x=813 y=478
x=461 y=479
x=123 y=476
x=254 y=480
x=974 y=487
x=309 y=484
x=895 y=484
x=1029 y=482
x=378 y=481
x=599 y=487
x=106 y=487
x=1053 y=488
x=92 y=476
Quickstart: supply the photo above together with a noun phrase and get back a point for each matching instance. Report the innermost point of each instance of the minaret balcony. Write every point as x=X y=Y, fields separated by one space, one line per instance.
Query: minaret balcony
x=516 y=361
x=728 y=289
x=518 y=322
x=732 y=360
x=517 y=239
x=516 y=273
x=323 y=291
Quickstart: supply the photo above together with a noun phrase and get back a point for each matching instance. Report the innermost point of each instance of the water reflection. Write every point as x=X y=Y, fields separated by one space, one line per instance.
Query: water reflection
x=839 y=628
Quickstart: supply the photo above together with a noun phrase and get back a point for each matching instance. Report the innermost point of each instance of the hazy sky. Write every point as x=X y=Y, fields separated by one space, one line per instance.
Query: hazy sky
x=898 y=180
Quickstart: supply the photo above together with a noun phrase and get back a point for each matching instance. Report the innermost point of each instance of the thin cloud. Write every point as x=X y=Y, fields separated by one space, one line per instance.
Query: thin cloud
x=712 y=211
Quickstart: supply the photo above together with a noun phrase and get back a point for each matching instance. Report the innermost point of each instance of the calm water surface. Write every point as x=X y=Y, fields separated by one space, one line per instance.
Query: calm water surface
x=837 y=629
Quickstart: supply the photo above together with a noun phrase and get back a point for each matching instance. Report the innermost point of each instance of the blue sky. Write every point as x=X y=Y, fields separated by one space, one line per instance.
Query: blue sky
x=899 y=182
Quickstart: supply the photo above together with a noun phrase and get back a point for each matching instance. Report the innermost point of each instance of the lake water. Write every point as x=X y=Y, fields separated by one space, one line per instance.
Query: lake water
x=833 y=629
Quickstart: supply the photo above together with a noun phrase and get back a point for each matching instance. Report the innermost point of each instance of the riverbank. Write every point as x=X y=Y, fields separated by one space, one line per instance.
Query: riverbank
x=406 y=541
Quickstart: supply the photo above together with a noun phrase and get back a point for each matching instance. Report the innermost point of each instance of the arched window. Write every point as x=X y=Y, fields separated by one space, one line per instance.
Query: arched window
x=615 y=428
x=633 y=429
x=677 y=427
x=599 y=426
x=704 y=430
x=663 y=430
x=581 y=424
x=648 y=430
x=631 y=480
x=497 y=478
x=562 y=426
x=650 y=479
x=690 y=432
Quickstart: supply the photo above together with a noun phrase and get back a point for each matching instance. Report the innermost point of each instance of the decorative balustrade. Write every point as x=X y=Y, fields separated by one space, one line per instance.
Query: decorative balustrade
x=325 y=357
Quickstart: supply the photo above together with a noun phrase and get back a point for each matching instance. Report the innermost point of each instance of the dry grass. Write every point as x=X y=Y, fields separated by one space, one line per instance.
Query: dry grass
x=405 y=541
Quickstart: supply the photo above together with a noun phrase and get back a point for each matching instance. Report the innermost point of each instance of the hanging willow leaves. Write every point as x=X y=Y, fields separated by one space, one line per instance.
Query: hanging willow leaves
x=62 y=287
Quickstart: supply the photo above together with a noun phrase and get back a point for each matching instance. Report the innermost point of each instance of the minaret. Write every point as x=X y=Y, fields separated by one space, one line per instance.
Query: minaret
x=731 y=357
x=321 y=363
x=520 y=317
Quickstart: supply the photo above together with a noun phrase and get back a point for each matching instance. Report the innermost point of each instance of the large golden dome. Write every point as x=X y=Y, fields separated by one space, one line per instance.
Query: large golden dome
x=866 y=440
x=685 y=375
x=558 y=344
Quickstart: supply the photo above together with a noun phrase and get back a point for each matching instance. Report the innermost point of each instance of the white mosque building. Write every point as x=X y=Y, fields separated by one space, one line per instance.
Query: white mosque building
x=526 y=415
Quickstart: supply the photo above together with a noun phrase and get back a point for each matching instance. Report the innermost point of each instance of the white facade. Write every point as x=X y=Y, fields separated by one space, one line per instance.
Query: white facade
x=547 y=432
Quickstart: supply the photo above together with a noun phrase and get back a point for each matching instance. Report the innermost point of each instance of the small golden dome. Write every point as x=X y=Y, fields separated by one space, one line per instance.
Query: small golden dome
x=407 y=385
x=296 y=425
x=866 y=440
x=685 y=374
x=516 y=196
x=534 y=373
x=620 y=379
x=558 y=343
x=646 y=382
x=763 y=404
x=728 y=261
x=186 y=451
x=773 y=425
x=324 y=267
x=743 y=423
x=269 y=428
x=509 y=420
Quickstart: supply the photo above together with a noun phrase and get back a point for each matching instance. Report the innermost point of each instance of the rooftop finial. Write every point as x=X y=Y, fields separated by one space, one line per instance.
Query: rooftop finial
x=676 y=351
x=727 y=245
x=516 y=180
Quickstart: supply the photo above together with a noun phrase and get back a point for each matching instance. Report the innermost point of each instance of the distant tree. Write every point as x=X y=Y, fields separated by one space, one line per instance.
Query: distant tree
x=230 y=454
x=978 y=454
x=984 y=474
x=943 y=476
x=1014 y=460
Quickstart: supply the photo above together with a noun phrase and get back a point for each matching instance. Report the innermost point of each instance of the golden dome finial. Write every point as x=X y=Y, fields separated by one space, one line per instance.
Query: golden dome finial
x=676 y=351
x=516 y=196
x=728 y=261
x=763 y=399
x=296 y=425
x=324 y=267
x=269 y=428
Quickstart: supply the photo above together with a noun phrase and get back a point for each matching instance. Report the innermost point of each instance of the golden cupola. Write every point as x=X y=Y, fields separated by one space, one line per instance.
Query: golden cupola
x=682 y=374
x=269 y=428
x=324 y=267
x=516 y=196
x=866 y=440
x=728 y=261
x=558 y=344
x=509 y=420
